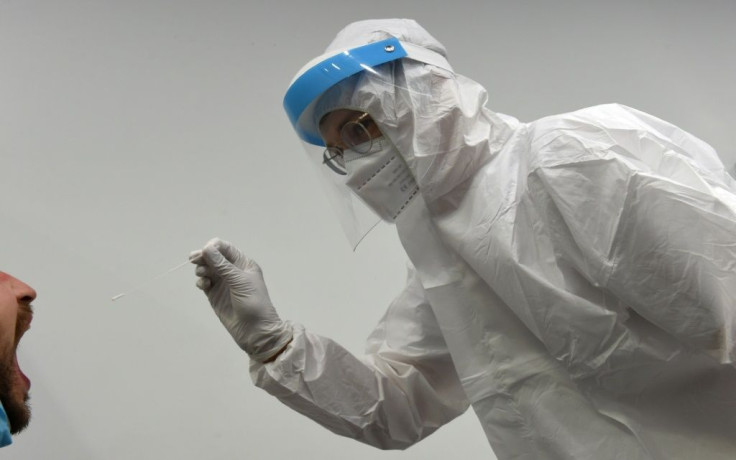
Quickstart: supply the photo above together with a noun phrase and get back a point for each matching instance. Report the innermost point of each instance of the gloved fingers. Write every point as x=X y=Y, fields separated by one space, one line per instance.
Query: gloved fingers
x=204 y=271
x=217 y=261
x=204 y=284
x=231 y=253
x=196 y=257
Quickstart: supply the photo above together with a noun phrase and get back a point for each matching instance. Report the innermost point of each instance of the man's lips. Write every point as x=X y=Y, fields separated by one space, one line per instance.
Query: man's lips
x=23 y=376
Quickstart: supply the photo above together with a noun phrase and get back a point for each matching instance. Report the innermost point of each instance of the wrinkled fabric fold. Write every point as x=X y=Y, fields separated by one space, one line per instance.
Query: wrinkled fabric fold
x=574 y=280
x=399 y=392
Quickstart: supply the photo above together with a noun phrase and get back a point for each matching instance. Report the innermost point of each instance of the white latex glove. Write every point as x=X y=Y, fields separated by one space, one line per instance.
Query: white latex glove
x=235 y=288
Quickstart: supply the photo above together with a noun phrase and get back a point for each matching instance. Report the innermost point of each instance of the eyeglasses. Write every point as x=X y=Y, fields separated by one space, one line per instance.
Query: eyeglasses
x=355 y=136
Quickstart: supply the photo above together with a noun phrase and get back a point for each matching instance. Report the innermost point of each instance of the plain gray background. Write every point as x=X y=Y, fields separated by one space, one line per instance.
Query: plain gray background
x=131 y=132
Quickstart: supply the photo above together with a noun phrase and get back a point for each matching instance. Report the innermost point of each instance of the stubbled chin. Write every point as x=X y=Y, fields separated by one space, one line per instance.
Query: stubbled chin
x=21 y=376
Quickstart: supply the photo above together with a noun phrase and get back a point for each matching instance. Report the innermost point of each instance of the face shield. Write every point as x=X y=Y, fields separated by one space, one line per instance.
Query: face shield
x=349 y=127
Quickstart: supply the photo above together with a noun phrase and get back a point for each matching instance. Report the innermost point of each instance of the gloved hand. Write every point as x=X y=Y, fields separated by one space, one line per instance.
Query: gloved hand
x=235 y=288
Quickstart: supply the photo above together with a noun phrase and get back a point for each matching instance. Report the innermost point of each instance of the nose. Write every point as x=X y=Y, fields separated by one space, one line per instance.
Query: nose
x=23 y=292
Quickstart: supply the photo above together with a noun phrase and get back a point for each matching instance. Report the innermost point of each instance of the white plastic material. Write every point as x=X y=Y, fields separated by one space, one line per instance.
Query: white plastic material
x=574 y=281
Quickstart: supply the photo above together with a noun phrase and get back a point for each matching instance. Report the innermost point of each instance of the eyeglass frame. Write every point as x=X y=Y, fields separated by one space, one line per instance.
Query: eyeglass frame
x=332 y=152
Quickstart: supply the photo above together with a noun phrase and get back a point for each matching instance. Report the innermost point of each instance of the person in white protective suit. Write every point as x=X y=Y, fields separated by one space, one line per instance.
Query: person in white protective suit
x=572 y=279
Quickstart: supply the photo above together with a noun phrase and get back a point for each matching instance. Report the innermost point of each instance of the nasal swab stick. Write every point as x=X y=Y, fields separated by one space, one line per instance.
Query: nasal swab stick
x=142 y=285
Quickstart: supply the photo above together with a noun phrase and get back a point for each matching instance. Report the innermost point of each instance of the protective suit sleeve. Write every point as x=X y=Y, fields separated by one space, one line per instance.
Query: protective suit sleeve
x=402 y=390
x=648 y=213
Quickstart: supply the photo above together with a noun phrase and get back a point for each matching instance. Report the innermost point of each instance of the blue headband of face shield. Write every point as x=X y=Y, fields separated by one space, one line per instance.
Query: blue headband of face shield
x=327 y=73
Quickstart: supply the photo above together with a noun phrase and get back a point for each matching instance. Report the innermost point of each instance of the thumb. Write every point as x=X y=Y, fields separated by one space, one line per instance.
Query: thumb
x=215 y=259
x=231 y=253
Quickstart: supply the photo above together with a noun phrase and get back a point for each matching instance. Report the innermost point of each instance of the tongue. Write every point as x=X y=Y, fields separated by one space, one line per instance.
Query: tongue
x=25 y=379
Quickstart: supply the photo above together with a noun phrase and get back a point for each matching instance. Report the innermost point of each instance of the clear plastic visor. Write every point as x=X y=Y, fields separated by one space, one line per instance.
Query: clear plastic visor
x=325 y=137
x=344 y=129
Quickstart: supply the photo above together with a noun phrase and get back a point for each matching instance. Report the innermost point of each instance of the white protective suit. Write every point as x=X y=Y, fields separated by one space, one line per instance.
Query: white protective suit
x=574 y=281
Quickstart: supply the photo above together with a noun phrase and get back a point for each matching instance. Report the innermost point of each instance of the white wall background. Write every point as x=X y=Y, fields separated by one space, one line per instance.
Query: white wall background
x=131 y=132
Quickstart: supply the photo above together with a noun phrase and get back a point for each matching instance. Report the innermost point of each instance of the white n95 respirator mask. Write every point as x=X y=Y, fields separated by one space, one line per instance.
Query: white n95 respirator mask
x=380 y=178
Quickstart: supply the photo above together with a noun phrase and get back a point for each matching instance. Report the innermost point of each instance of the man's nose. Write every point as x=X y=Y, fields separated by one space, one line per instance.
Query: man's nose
x=23 y=292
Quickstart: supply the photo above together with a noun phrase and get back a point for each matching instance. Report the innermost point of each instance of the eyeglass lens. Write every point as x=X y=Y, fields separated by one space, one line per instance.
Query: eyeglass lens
x=356 y=136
